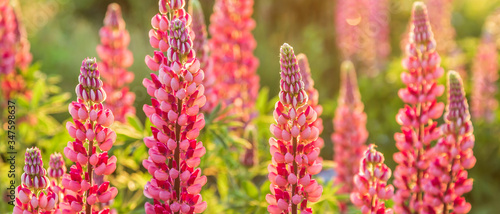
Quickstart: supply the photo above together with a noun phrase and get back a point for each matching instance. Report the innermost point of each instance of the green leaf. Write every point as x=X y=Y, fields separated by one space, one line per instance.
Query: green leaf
x=250 y=189
x=135 y=122
x=38 y=91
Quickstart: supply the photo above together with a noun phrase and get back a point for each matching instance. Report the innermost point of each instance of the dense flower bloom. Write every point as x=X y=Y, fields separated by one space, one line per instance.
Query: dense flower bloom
x=232 y=45
x=116 y=58
x=32 y=195
x=14 y=53
x=350 y=130
x=363 y=31
x=452 y=155
x=90 y=126
x=177 y=96
x=295 y=154
x=312 y=94
x=371 y=183
x=200 y=45
x=485 y=70
x=416 y=118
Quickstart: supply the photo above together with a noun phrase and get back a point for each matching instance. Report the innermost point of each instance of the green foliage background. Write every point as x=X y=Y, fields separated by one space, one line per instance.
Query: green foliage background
x=63 y=32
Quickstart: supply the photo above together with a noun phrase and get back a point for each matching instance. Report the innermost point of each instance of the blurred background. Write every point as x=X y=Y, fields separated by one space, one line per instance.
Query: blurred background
x=63 y=32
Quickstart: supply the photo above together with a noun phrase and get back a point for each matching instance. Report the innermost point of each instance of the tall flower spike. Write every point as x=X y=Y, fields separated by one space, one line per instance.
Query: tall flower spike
x=363 y=29
x=485 y=70
x=295 y=154
x=177 y=96
x=350 y=130
x=90 y=126
x=116 y=58
x=370 y=183
x=14 y=54
x=200 y=45
x=32 y=196
x=312 y=94
x=453 y=155
x=416 y=118
x=232 y=45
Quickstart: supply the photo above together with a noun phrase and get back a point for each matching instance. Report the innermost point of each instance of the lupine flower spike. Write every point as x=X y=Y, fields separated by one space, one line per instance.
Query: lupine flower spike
x=484 y=80
x=32 y=196
x=200 y=45
x=90 y=127
x=416 y=118
x=350 y=130
x=232 y=45
x=370 y=183
x=295 y=154
x=453 y=155
x=177 y=96
x=14 y=53
x=56 y=171
x=312 y=94
x=116 y=58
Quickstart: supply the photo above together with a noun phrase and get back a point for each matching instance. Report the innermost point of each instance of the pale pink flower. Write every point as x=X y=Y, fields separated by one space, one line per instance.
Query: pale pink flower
x=416 y=118
x=234 y=65
x=452 y=156
x=484 y=80
x=350 y=130
x=177 y=96
x=295 y=154
x=370 y=184
x=116 y=58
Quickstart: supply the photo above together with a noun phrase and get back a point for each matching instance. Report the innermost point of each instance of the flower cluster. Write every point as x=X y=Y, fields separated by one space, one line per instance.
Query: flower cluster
x=116 y=58
x=232 y=46
x=350 y=130
x=295 y=154
x=416 y=118
x=485 y=69
x=371 y=183
x=177 y=96
x=363 y=31
x=312 y=94
x=200 y=45
x=14 y=53
x=56 y=171
x=32 y=195
x=90 y=126
x=452 y=155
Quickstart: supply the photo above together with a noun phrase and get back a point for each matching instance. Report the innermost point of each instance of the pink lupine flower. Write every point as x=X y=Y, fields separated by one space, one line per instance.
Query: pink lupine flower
x=32 y=195
x=90 y=126
x=232 y=45
x=295 y=154
x=312 y=94
x=14 y=53
x=416 y=118
x=116 y=58
x=350 y=130
x=485 y=68
x=177 y=96
x=452 y=155
x=56 y=166
x=200 y=45
x=363 y=31
x=370 y=183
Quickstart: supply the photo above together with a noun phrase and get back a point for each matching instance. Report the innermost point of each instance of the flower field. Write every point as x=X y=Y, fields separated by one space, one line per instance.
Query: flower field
x=249 y=106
